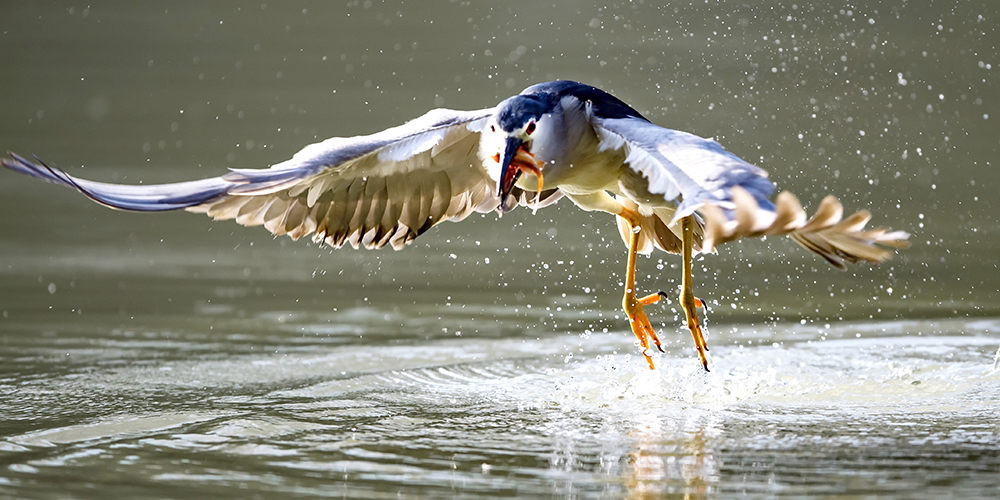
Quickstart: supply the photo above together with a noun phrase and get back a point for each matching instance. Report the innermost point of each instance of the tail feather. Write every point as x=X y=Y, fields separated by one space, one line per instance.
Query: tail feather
x=827 y=234
x=154 y=198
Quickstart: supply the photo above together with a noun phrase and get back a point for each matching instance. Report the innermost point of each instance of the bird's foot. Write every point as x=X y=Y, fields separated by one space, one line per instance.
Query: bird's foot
x=690 y=304
x=700 y=304
x=639 y=322
x=633 y=305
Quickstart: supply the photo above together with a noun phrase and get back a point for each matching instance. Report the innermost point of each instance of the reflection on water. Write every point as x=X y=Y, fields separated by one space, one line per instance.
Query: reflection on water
x=169 y=356
x=788 y=410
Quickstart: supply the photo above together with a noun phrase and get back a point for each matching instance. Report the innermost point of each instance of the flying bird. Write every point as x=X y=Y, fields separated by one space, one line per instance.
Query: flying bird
x=668 y=189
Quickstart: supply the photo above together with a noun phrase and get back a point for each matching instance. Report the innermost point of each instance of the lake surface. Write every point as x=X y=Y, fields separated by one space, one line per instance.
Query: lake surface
x=167 y=356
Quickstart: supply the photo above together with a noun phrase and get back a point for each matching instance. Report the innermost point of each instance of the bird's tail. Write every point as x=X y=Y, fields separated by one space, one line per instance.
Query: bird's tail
x=153 y=198
x=827 y=234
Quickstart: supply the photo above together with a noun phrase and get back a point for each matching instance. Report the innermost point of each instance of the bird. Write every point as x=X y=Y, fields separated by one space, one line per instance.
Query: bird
x=668 y=189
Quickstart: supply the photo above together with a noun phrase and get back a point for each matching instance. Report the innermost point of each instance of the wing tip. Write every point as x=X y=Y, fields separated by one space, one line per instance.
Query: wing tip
x=827 y=233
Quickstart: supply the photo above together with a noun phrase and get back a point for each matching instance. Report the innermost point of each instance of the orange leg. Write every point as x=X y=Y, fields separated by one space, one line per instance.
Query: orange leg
x=688 y=301
x=632 y=305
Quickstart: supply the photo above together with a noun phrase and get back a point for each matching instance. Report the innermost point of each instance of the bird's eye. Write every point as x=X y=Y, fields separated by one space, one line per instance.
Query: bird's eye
x=493 y=128
x=531 y=128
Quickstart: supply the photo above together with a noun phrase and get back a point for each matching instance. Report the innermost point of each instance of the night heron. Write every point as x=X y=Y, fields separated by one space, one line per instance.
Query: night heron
x=669 y=189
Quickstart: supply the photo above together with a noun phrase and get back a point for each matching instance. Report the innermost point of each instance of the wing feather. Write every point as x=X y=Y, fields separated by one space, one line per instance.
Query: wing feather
x=680 y=166
x=442 y=198
x=257 y=219
x=384 y=188
x=274 y=218
x=388 y=195
x=355 y=211
x=424 y=199
x=835 y=240
x=733 y=196
x=249 y=211
x=298 y=222
x=375 y=190
x=334 y=221
x=228 y=209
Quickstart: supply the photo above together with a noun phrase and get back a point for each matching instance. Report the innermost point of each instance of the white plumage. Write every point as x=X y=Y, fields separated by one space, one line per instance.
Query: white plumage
x=389 y=187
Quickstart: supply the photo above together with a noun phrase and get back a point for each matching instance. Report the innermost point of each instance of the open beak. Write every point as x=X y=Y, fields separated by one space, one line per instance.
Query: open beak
x=516 y=160
x=508 y=173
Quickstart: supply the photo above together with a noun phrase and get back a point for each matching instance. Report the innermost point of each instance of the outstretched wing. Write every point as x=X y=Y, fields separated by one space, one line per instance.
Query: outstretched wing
x=682 y=166
x=733 y=195
x=384 y=188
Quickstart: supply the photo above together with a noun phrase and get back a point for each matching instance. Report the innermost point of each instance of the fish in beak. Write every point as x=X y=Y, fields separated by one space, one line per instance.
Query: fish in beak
x=516 y=160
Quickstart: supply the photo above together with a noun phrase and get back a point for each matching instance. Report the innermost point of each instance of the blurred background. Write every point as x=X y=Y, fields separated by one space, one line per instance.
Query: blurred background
x=891 y=111
x=110 y=317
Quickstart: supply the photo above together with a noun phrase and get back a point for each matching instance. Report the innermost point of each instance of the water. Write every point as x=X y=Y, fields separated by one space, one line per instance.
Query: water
x=150 y=356
x=786 y=411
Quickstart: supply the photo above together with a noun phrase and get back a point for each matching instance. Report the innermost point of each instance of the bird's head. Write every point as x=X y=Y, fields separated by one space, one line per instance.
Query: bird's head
x=513 y=135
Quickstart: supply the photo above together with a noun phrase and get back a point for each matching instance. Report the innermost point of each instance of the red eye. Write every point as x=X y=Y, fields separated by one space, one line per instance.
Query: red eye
x=493 y=128
x=531 y=128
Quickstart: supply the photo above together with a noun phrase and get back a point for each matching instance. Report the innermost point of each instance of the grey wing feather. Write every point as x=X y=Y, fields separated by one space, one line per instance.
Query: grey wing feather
x=141 y=198
x=394 y=146
x=733 y=195
x=384 y=188
x=681 y=166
